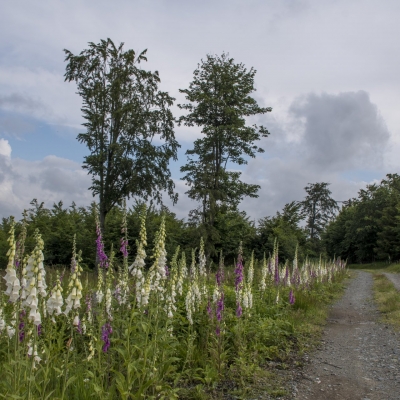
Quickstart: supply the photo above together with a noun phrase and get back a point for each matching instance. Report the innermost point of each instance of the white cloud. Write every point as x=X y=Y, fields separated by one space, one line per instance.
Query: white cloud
x=5 y=148
x=50 y=180
x=336 y=136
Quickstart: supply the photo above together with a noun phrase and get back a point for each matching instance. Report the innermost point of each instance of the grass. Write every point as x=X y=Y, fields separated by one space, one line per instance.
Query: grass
x=379 y=266
x=387 y=298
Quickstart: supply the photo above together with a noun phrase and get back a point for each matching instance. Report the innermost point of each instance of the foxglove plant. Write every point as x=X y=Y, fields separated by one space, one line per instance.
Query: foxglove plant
x=99 y=292
x=10 y=331
x=109 y=282
x=291 y=297
x=35 y=275
x=89 y=312
x=73 y=300
x=219 y=277
x=12 y=281
x=275 y=259
x=171 y=291
x=202 y=269
x=295 y=277
x=182 y=274
x=106 y=331
x=32 y=352
x=190 y=301
x=220 y=306
x=194 y=277
x=264 y=273
x=2 y=322
x=247 y=292
x=277 y=297
x=21 y=326
x=121 y=290
x=193 y=295
x=55 y=301
x=20 y=250
x=239 y=282
x=202 y=259
x=157 y=272
x=286 y=281
x=91 y=346
x=136 y=269
x=101 y=255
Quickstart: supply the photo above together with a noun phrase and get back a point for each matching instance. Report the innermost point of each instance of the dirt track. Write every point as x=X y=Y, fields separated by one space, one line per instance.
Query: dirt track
x=359 y=357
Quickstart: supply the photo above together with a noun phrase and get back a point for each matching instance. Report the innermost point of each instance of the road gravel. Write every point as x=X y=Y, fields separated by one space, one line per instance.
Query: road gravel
x=359 y=357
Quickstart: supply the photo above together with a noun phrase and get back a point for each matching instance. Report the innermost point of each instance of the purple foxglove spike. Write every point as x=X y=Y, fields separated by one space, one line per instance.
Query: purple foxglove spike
x=124 y=247
x=209 y=310
x=79 y=327
x=239 y=310
x=106 y=331
x=239 y=274
x=291 y=297
x=100 y=249
x=219 y=277
x=21 y=330
x=220 y=307
x=276 y=274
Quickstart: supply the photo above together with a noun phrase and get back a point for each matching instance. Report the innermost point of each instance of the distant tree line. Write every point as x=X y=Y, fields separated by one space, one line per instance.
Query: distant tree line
x=290 y=227
x=367 y=228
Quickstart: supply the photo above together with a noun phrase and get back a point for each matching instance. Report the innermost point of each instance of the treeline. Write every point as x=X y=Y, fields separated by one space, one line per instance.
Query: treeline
x=367 y=228
x=60 y=223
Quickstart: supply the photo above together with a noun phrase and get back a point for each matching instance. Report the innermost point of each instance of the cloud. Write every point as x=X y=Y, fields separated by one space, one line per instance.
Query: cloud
x=5 y=149
x=50 y=180
x=40 y=94
x=342 y=131
x=20 y=102
x=330 y=138
x=5 y=167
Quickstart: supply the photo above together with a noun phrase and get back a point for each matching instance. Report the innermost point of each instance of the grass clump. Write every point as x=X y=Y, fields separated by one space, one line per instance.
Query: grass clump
x=388 y=299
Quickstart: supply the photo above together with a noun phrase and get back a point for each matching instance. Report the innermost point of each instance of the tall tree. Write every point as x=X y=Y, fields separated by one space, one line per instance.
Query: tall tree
x=129 y=124
x=368 y=227
x=319 y=207
x=285 y=228
x=219 y=101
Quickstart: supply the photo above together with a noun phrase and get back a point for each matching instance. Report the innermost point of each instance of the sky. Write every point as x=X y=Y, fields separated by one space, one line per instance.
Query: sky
x=328 y=69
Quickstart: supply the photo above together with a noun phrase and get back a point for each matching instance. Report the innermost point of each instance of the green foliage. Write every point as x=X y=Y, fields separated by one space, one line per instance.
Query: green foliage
x=283 y=227
x=319 y=208
x=219 y=101
x=367 y=228
x=387 y=298
x=59 y=224
x=125 y=116
x=185 y=340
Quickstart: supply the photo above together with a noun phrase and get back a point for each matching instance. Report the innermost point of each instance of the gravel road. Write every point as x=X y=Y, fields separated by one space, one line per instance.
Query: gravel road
x=359 y=357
